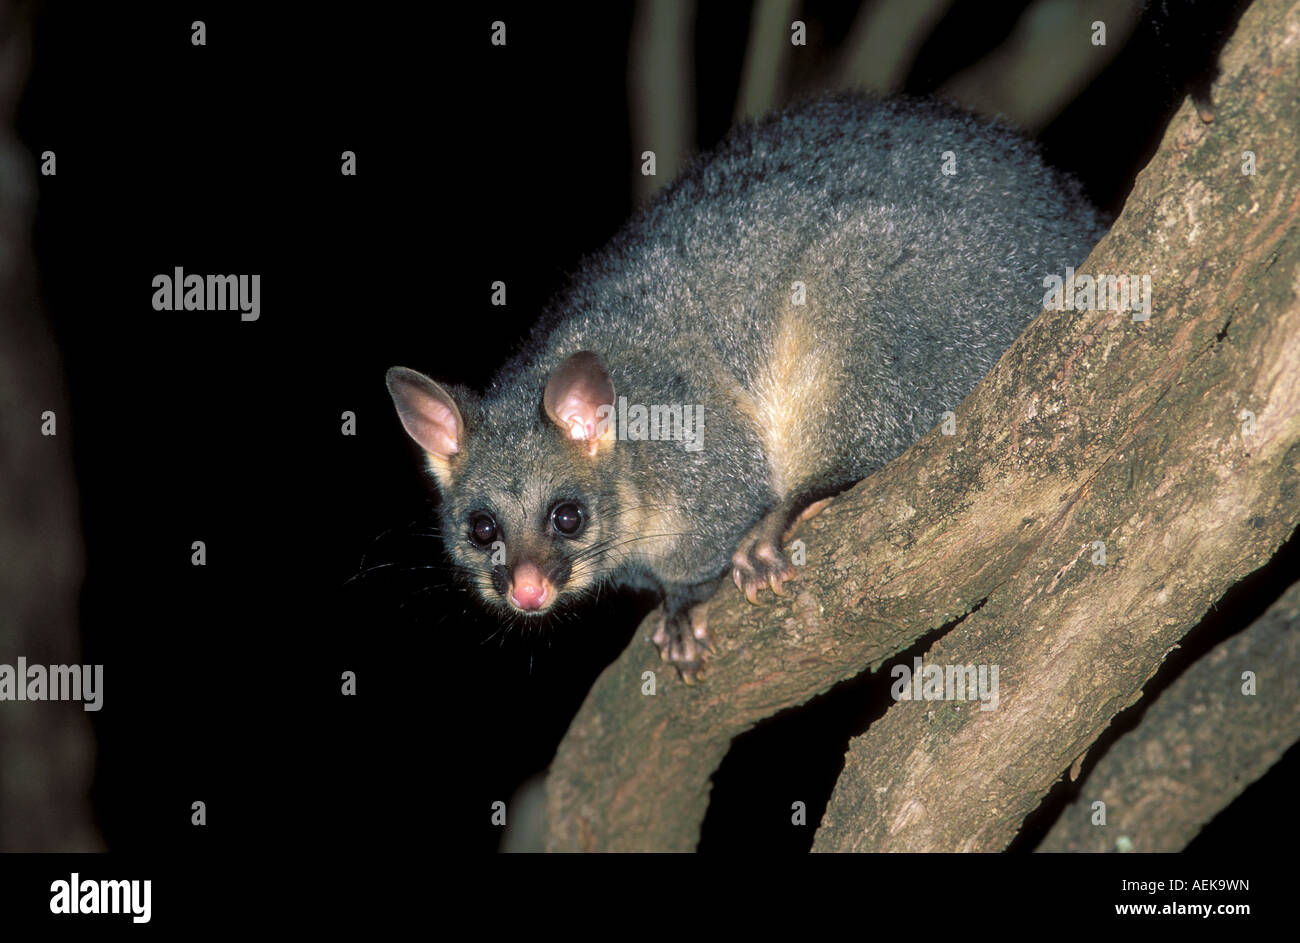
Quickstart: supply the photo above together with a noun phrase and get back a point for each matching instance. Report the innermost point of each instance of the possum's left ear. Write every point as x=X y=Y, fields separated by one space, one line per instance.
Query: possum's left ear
x=430 y=417
x=579 y=399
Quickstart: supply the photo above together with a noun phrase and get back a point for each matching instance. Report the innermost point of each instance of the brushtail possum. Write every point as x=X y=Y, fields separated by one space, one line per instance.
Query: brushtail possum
x=795 y=310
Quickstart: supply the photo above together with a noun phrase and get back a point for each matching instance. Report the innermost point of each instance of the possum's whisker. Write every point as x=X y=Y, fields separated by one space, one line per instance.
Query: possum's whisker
x=604 y=546
x=381 y=566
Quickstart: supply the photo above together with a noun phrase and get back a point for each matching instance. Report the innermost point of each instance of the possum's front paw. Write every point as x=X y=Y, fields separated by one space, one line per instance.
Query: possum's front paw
x=758 y=562
x=683 y=640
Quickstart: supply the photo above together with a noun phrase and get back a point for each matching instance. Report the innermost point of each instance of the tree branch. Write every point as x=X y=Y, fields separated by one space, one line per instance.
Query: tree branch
x=1199 y=745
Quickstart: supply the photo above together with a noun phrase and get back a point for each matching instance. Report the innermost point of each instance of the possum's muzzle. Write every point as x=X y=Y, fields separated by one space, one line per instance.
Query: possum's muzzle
x=526 y=588
x=529 y=590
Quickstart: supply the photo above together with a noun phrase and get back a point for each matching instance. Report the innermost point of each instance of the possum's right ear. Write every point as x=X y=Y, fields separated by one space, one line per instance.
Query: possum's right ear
x=429 y=416
x=579 y=397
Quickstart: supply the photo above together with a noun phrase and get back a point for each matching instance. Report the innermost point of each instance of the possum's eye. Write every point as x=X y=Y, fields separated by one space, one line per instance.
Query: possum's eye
x=482 y=529
x=567 y=519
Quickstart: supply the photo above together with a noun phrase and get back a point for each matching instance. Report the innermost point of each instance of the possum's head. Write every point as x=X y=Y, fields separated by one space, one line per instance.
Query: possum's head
x=524 y=512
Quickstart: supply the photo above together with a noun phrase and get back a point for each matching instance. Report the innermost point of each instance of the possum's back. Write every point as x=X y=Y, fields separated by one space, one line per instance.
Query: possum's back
x=915 y=280
x=841 y=193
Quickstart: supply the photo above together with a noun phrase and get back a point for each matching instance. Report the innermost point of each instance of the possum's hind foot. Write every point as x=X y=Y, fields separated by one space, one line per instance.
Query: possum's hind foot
x=759 y=561
x=683 y=640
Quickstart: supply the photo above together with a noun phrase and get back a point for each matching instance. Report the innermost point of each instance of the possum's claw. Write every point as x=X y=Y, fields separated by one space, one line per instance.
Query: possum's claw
x=684 y=641
x=759 y=563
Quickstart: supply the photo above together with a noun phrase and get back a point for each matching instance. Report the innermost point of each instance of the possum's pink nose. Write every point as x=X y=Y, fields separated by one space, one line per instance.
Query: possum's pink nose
x=529 y=590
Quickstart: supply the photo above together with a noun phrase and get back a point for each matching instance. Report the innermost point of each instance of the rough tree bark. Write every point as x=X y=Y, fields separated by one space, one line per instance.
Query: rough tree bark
x=1198 y=747
x=1175 y=442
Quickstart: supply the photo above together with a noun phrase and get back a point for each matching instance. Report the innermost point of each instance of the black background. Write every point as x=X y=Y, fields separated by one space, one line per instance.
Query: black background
x=475 y=164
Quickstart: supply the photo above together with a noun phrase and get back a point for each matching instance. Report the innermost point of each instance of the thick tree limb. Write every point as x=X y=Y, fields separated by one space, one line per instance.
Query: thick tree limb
x=46 y=747
x=1199 y=745
x=1091 y=428
x=1185 y=501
